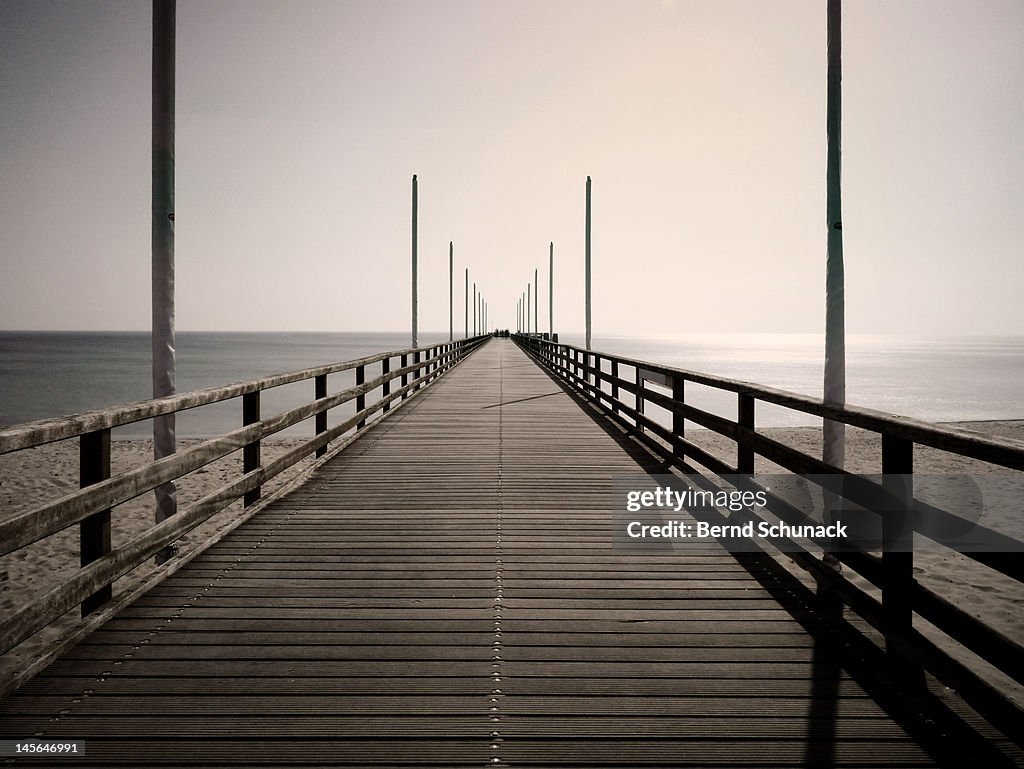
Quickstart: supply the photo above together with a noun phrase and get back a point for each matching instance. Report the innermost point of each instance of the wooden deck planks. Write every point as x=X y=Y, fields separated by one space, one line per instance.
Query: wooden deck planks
x=445 y=593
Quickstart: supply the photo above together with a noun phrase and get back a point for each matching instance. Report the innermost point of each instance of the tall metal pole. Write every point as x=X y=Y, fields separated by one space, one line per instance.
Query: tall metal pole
x=474 y=308
x=835 y=325
x=587 y=270
x=451 y=292
x=467 y=303
x=551 y=291
x=536 y=301
x=163 y=343
x=415 y=308
x=527 y=307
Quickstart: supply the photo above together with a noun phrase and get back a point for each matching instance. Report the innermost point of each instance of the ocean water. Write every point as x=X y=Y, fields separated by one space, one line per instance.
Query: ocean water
x=48 y=374
x=931 y=378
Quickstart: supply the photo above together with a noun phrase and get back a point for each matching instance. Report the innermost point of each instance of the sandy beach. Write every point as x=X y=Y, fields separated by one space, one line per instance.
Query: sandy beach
x=31 y=477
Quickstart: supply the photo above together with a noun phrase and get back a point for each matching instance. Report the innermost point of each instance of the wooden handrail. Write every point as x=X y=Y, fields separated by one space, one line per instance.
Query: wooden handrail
x=39 y=432
x=90 y=586
x=902 y=596
x=1006 y=452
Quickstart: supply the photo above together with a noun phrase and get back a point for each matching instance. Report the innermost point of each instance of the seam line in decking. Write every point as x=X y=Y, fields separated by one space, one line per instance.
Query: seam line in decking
x=497 y=696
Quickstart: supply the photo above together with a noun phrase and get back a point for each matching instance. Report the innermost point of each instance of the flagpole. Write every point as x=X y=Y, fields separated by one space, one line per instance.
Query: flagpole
x=451 y=292
x=834 y=390
x=415 y=308
x=587 y=265
x=163 y=343
x=536 y=303
x=551 y=291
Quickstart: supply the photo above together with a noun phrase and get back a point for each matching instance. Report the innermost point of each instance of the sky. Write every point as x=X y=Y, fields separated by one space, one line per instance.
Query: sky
x=702 y=125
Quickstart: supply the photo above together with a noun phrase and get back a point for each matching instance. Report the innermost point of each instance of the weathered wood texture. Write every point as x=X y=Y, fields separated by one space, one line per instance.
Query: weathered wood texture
x=445 y=593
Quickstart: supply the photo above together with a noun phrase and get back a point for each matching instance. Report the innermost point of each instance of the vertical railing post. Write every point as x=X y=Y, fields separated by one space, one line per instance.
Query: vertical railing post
x=320 y=391
x=94 y=531
x=385 y=369
x=416 y=372
x=615 y=387
x=361 y=398
x=251 y=450
x=405 y=376
x=745 y=419
x=897 y=538
x=678 y=420
x=639 y=398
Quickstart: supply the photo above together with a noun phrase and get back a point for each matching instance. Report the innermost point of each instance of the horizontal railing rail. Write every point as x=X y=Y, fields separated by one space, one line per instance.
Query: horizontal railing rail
x=598 y=377
x=90 y=506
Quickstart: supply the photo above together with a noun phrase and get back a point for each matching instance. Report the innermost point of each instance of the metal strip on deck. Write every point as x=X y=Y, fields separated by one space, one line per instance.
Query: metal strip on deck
x=444 y=593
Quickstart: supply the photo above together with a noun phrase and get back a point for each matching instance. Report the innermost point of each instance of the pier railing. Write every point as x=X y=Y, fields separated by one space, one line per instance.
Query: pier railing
x=622 y=388
x=385 y=379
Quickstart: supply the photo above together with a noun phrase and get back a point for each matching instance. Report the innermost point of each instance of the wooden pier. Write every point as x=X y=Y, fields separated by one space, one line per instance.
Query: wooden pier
x=445 y=592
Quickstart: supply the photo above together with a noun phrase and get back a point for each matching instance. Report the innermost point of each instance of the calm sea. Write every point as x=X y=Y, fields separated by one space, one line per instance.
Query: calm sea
x=47 y=374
